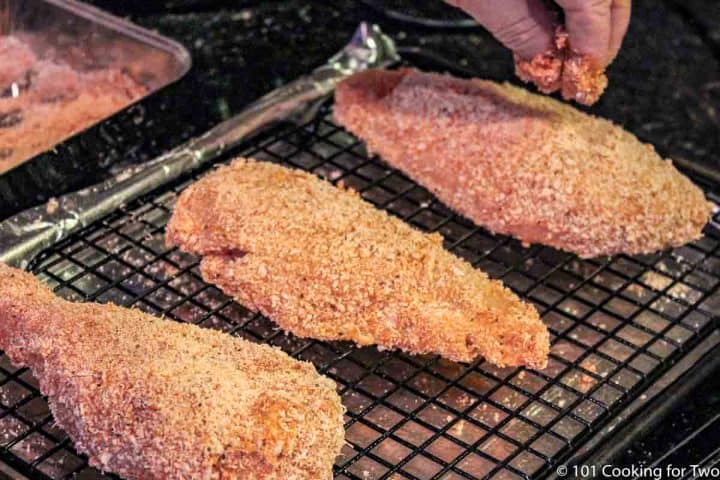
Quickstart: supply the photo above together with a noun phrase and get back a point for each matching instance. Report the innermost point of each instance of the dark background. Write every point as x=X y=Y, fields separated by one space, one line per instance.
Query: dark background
x=664 y=87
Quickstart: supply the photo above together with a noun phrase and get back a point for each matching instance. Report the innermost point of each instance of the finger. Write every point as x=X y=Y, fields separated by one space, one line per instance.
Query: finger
x=524 y=26
x=620 y=19
x=588 y=26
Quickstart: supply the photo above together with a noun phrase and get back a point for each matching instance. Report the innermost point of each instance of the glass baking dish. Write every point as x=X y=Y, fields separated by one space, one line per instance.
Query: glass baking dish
x=64 y=66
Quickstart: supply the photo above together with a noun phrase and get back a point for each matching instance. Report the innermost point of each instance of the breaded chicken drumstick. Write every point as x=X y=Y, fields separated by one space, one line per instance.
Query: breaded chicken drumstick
x=323 y=263
x=152 y=399
x=523 y=164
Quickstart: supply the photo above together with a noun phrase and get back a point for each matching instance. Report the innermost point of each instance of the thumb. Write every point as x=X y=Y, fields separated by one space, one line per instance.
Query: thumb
x=589 y=26
x=523 y=26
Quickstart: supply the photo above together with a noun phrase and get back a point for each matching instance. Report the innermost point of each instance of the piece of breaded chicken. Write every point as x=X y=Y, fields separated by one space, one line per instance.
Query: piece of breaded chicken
x=323 y=263
x=523 y=164
x=152 y=399
x=578 y=77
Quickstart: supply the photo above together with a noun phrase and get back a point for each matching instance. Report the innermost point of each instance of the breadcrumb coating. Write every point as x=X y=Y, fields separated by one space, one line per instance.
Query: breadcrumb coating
x=53 y=101
x=578 y=77
x=324 y=263
x=544 y=70
x=17 y=59
x=523 y=164
x=583 y=80
x=152 y=399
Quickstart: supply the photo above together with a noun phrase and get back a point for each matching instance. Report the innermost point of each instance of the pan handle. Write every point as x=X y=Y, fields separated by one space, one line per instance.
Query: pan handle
x=24 y=235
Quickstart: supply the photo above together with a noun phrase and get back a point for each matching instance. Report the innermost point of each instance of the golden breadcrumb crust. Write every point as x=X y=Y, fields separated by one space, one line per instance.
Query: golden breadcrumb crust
x=577 y=76
x=523 y=164
x=323 y=263
x=152 y=399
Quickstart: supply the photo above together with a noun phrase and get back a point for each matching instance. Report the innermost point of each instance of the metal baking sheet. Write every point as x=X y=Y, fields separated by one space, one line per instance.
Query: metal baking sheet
x=617 y=324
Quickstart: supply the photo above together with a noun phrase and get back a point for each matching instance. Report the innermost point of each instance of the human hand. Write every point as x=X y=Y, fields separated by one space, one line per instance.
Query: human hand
x=596 y=28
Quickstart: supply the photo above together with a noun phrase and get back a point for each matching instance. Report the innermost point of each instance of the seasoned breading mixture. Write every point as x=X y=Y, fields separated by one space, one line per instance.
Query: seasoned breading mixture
x=523 y=164
x=52 y=100
x=152 y=399
x=323 y=263
x=578 y=77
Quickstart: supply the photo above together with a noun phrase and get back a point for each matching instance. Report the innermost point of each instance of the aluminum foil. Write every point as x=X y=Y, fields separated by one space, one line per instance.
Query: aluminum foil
x=26 y=234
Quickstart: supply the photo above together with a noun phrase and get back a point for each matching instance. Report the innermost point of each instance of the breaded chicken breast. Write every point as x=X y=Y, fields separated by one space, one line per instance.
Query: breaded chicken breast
x=522 y=164
x=323 y=263
x=152 y=399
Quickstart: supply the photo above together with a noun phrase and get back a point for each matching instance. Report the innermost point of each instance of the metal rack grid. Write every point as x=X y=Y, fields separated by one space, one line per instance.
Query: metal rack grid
x=616 y=324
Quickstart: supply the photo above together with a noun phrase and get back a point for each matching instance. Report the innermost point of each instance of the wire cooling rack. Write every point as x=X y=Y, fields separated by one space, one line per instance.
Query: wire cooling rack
x=617 y=324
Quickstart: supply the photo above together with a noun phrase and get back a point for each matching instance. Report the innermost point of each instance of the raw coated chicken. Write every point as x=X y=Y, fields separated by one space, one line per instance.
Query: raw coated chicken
x=323 y=263
x=153 y=399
